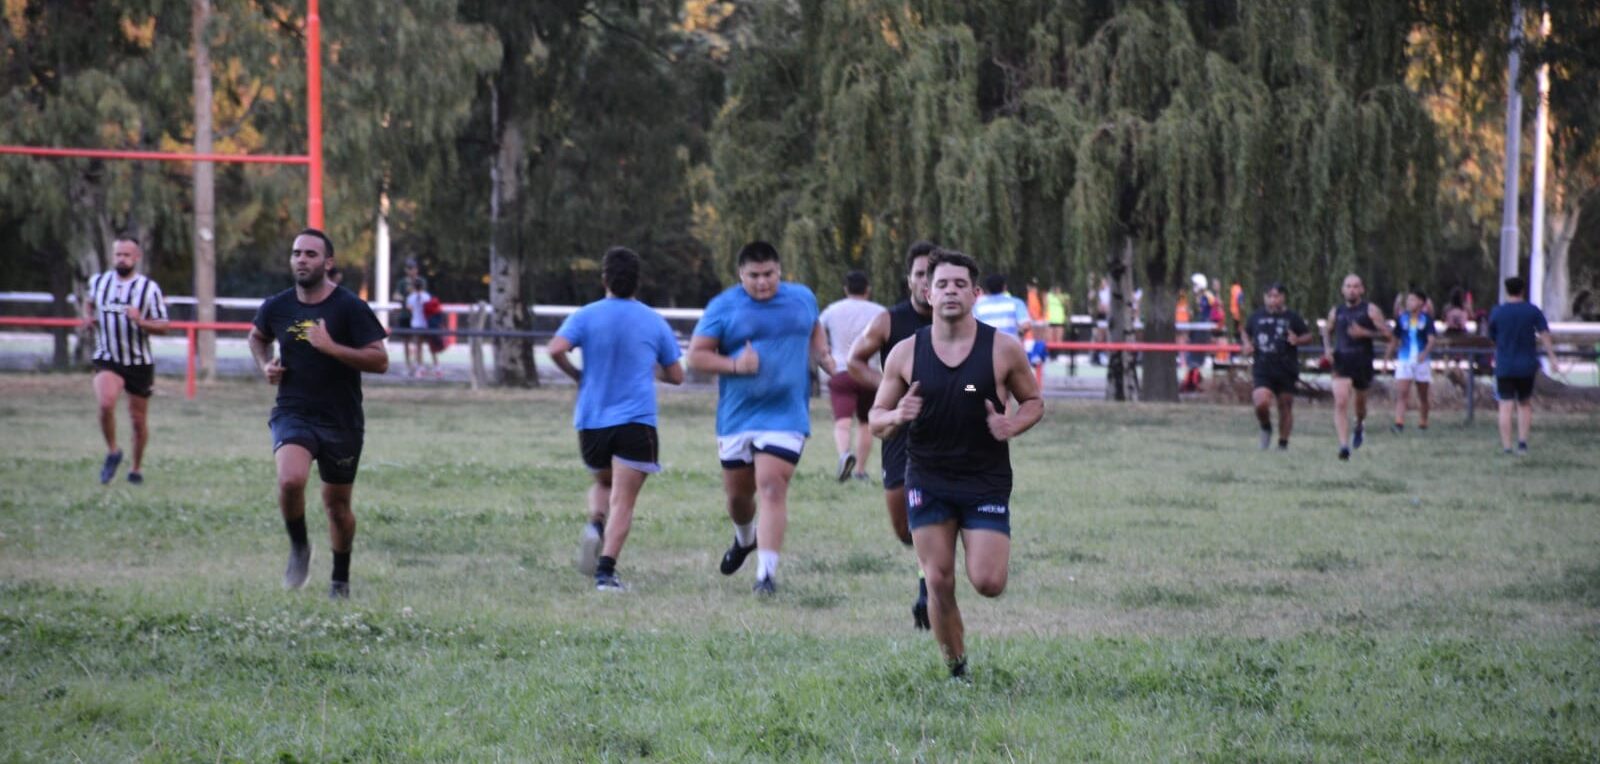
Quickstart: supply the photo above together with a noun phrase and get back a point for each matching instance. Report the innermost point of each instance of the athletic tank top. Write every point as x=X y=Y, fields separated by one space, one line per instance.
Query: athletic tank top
x=951 y=451
x=904 y=321
x=1343 y=343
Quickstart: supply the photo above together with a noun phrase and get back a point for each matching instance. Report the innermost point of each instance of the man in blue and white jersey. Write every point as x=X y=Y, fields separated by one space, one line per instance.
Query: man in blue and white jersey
x=1412 y=353
x=761 y=338
x=626 y=346
x=1000 y=310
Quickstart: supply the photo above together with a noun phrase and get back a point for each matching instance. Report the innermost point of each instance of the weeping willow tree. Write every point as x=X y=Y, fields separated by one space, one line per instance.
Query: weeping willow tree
x=1272 y=140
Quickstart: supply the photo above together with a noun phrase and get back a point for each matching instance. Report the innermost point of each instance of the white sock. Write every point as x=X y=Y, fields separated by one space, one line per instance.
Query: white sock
x=745 y=534
x=766 y=564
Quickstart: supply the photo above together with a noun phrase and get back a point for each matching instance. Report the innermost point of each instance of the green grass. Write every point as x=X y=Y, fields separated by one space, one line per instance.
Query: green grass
x=1175 y=594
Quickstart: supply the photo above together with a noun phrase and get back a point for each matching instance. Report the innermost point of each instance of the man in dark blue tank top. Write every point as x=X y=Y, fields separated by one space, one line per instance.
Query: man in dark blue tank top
x=948 y=385
x=1347 y=346
x=885 y=331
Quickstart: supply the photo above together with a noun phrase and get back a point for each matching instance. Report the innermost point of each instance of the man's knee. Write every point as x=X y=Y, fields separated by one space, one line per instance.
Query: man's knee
x=292 y=483
x=990 y=584
x=941 y=579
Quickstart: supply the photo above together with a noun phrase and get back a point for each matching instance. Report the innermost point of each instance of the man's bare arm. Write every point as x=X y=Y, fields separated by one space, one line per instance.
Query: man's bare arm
x=1022 y=386
x=705 y=357
x=671 y=374
x=867 y=345
x=820 y=355
x=558 y=349
x=888 y=413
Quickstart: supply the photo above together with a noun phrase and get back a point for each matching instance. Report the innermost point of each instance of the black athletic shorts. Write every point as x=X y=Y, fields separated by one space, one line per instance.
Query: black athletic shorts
x=1279 y=382
x=924 y=508
x=1357 y=368
x=894 y=461
x=633 y=444
x=336 y=450
x=138 y=380
x=1519 y=389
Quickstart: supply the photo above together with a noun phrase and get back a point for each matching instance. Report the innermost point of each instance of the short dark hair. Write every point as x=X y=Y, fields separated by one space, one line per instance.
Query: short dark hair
x=620 y=271
x=919 y=248
x=994 y=283
x=326 y=242
x=128 y=237
x=951 y=257
x=1277 y=286
x=855 y=283
x=757 y=252
x=1416 y=290
x=1516 y=287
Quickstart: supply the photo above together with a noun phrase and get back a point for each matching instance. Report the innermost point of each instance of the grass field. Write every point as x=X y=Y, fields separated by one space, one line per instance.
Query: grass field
x=1175 y=595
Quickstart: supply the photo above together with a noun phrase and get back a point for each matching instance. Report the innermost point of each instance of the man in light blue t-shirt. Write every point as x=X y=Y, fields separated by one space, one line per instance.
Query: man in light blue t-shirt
x=999 y=309
x=626 y=346
x=761 y=338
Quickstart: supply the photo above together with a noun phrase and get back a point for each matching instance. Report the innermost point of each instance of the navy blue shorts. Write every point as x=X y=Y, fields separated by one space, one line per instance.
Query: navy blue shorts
x=924 y=509
x=336 y=450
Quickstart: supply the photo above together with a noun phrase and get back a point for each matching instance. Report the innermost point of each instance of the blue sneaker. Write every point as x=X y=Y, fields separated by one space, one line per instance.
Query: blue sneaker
x=136 y=478
x=1361 y=432
x=765 y=587
x=109 y=469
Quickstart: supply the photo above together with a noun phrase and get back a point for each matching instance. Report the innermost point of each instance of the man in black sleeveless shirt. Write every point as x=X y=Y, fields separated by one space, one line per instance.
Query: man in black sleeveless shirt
x=885 y=331
x=1347 y=346
x=326 y=336
x=948 y=385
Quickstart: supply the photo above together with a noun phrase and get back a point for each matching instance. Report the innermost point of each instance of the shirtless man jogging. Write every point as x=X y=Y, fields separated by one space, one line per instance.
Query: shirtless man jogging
x=948 y=386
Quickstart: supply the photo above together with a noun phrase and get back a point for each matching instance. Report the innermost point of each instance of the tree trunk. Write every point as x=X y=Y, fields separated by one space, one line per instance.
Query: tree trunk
x=60 y=288
x=513 y=356
x=205 y=218
x=1160 y=380
x=1563 y=224
x=1119 y=365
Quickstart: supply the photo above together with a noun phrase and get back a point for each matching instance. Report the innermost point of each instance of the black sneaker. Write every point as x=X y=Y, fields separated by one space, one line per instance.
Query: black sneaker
x=958 y=670
x=1397 y=428
x=847 y=464
x=1344 y=454
x=108 y=470
x=299 y=568
x=339 y=590
x=1361 y=434
x=1522 y=448
x=608 y=582
x=733 y=559
x=765 y=587
x=919 y=609
x=136 y=478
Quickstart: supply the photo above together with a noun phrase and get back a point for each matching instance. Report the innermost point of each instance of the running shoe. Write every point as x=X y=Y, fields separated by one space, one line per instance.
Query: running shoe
x=608 y=582
x=1397 y=428
x=846 y=464
x=108 y=470
x=589 y=549
x=1344 y=454
x=733 y=559
x=765 y=587
x=919 y=609
x=1266 y=439
x=299 y=568
x=1522 y=448
x=136 y=478
x=339 y=590
x=1361 y=434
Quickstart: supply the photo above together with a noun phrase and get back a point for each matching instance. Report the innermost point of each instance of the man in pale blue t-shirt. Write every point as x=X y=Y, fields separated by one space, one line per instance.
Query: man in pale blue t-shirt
x=626 y=346
x=999 y=309
x=761 y=338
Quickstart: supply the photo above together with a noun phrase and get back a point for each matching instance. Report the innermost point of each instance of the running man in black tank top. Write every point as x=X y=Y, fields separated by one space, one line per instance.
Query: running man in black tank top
x=1347 y=346
x=886 y=331
x=947 y=386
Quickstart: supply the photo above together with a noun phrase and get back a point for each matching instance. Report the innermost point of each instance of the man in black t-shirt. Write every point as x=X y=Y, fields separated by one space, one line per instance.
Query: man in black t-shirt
x=948 y=385
x=326 y=337
x=1272 y=335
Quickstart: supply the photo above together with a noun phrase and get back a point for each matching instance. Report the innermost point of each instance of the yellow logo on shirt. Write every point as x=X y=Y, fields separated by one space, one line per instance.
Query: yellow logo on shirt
x=299 y=329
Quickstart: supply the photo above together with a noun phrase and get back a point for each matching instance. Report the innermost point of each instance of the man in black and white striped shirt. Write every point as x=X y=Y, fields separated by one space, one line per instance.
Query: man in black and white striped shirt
x=124 y=308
